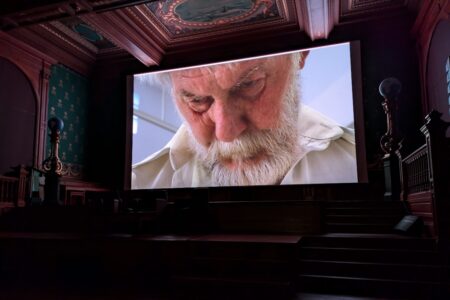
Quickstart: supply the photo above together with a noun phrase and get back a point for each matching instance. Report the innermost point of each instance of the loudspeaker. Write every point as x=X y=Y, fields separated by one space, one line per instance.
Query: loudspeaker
x=409 y=225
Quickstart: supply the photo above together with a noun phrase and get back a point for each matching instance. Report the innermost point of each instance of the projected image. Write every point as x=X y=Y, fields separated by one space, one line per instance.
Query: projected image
x=280 y=119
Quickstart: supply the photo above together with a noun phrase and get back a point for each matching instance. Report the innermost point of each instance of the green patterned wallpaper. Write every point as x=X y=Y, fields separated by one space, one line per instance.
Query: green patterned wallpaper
x=68 y=92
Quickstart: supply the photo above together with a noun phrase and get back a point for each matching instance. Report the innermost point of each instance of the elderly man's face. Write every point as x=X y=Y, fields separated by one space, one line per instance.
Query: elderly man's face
x=233 y=111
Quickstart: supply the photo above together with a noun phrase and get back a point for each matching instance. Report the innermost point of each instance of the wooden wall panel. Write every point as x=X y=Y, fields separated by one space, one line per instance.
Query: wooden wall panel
x=36 y=66
x=421 y=205
x=430 y=14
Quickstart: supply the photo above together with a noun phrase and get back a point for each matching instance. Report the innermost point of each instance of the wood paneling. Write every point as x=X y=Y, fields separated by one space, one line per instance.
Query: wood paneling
x=134 y=28
x=36 y=66
x=429 y=16
x=128 y=33
x=421 y=205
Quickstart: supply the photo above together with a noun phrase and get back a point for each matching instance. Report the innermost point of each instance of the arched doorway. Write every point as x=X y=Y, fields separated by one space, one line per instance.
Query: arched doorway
x=17 y=117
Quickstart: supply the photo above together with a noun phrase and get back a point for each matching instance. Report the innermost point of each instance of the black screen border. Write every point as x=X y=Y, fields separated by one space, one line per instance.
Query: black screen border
x=358 y=115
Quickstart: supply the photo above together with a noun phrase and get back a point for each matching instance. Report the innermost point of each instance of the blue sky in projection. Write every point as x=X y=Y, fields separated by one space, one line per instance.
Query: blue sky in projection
x=326 y=82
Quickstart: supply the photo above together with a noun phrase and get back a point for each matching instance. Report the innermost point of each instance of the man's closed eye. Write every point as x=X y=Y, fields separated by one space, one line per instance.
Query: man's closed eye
x=199 y=104
x=250 y=89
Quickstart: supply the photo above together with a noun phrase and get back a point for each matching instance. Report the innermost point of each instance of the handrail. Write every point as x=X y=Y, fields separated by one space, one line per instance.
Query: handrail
x=13 y=190
x=415 y=153
x=8 y=189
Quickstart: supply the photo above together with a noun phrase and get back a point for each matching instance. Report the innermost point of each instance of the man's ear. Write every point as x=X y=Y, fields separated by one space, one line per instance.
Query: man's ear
x=303 y=56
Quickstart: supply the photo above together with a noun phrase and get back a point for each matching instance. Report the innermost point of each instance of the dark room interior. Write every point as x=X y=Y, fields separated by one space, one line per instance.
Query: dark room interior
x=73 y=224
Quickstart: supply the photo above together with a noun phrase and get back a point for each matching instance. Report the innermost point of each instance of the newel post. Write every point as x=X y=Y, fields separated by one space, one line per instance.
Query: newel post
x=390 y=144
x=52 y=165
x=21 y=186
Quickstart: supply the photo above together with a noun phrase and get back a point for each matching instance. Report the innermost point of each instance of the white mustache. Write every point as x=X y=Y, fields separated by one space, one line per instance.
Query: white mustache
x=278 y=145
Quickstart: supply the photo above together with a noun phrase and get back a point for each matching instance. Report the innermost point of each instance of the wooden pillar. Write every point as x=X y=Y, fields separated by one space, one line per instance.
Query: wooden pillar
x=42 y=110
x=390 y=142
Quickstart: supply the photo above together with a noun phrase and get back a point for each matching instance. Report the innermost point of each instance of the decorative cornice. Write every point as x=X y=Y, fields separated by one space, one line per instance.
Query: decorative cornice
x=66 y=40
x=67 y=31
x=125 y=34
x=320 y=16
x=355 y=8
x=32 y=13
x=150 y=21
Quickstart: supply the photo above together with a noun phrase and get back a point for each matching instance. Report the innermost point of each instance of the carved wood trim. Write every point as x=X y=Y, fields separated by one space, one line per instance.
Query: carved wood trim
x=429 y=16
x=36 y=67
x=154 y=28
x=319 y=17
x=354 y=10
x=26 y=14
x=126 y=35
x=39 y=38
x=302 y=15
x=41 y=113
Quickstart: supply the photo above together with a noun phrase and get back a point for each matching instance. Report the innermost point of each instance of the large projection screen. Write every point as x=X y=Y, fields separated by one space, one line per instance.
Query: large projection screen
x=286 y=118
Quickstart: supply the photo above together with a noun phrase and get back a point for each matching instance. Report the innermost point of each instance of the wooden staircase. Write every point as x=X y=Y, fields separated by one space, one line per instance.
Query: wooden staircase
x=362 y=216
x=238 y=265
x=361 y=255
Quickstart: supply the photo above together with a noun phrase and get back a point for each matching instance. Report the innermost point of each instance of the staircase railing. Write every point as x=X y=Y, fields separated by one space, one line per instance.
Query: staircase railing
x=8 y=191
x=416 y=174
x=425 y=178
x=13 y=190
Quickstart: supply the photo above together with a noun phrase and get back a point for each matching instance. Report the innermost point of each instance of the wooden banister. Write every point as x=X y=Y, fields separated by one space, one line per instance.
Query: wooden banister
x=13 y=190
x=8 y=191
x=425 y=177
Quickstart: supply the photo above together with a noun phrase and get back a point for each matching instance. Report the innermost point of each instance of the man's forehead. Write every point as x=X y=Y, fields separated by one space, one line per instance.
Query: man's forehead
x=237 y=68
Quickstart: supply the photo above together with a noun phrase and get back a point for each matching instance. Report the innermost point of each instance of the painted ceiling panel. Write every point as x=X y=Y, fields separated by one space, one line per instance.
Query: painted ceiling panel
x=88 y=33
x=182 y=17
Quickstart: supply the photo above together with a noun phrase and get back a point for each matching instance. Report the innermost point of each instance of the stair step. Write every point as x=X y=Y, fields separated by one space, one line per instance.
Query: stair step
x=371 y=255
x=360 y=227
x=364 y=204
x=231 y=281
x=369 y=287
x=239 y=267
x=373 y=219
x=373 y=241
x=363 y=211
x=236 y=287
x=412 y=272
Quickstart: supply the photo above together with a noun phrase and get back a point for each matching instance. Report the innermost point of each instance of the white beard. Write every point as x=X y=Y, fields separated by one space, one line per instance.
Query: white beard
x=278 y=147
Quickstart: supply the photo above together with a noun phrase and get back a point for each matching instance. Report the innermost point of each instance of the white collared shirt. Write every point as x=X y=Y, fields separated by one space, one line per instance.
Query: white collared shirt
x=327 y=155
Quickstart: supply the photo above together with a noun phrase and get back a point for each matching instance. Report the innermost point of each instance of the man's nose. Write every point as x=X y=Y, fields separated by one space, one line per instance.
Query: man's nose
x=229 y=120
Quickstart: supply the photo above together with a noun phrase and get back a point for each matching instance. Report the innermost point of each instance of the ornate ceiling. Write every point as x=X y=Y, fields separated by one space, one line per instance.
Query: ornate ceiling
x=89 y=30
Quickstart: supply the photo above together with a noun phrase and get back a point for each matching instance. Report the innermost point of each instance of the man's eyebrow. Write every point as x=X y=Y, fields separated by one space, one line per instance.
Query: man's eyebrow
x=246 y=75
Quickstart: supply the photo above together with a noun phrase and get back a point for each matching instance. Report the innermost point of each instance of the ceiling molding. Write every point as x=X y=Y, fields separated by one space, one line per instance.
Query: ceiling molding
x=302 y=15
x=46 y=39
x=66 y=40
x=151 y=31
x=355 y=10
x=320 y=17
x=127 y=33
x=162 y=34
x=25 y=13
x=68 y=32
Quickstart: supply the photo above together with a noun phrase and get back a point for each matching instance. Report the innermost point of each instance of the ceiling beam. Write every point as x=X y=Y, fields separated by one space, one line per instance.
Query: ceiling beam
x=127 y=34
x=319 y=17
x=24 y=13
